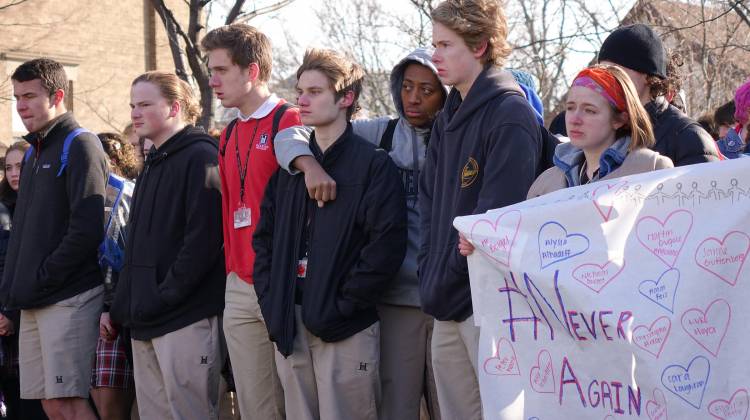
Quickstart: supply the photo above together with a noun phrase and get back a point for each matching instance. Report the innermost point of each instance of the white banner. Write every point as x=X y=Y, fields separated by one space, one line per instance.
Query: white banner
x=622 y=298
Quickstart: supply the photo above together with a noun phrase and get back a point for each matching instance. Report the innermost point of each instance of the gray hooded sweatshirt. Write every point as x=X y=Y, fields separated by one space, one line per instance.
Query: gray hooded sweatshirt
x=408 y=152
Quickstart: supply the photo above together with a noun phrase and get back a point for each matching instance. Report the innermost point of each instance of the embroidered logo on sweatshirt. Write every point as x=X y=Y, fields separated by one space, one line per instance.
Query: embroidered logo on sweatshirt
x=470 y=173
x=262 y=142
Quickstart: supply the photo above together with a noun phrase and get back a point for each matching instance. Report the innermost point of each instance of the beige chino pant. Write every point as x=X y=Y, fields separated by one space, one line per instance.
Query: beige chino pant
x=177 y=374
x=405 y=365
x=331 y=381
x=454 y=360
x=257 y=384
x=56 y=346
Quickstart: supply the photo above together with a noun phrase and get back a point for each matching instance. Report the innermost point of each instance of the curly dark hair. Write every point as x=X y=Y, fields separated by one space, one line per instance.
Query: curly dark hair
x=673 y=82
x=121 y=154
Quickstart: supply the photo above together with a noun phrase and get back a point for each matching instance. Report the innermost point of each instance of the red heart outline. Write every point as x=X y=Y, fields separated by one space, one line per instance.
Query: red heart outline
x=714 y=352
x=650 y=328
x=537 y=368
x=494 y=226
x=729 y=403
x=721 y=243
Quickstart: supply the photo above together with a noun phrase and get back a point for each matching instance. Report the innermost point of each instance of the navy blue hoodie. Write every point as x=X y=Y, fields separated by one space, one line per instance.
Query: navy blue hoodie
x=483 y=154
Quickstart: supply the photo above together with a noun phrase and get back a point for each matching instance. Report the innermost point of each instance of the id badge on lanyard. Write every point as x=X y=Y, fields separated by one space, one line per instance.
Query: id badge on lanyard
x=242 y=217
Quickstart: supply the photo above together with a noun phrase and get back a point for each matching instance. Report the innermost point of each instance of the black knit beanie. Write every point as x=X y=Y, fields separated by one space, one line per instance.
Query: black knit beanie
x=636 y=47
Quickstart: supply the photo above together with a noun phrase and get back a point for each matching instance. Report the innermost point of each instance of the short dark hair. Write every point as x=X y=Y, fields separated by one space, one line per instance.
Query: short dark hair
x=50 y=72
x=724 y=115
x=245 y=44
x=709 y=124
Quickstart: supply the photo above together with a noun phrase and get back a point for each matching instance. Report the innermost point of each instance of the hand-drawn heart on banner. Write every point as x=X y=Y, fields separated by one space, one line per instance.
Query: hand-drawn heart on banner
x=665 y=239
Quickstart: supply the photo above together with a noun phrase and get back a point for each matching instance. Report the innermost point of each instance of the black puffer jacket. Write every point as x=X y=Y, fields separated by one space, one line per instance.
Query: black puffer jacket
x=678 y=137
x=173 y=274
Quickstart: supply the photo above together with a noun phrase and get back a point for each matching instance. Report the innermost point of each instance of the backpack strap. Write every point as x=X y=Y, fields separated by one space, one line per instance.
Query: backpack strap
x=386 y=141
x=277 y=118
x=66 y=148
x=227 y=133
x=28 y=154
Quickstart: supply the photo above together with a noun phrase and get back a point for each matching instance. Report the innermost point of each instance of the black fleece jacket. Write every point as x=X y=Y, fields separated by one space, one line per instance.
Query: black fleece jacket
x=483 y=154
x=356 y=244
x=58 y=222
x=173 y=274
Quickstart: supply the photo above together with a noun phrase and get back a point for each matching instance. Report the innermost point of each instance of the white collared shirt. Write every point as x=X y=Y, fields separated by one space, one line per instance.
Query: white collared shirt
x=262 y=110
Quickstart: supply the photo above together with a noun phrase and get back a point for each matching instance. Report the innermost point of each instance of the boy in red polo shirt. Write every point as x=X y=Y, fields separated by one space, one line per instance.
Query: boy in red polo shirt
x=239 y=58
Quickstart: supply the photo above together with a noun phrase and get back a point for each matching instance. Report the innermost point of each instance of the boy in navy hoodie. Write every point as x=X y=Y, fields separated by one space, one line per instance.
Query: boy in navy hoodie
x=483 y=154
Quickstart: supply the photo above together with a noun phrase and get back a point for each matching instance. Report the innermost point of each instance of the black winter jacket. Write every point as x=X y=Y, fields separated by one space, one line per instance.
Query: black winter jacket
x=483 y=154
x=58 y=222
x=678 y=137
x=357 y=244
x=173 y=274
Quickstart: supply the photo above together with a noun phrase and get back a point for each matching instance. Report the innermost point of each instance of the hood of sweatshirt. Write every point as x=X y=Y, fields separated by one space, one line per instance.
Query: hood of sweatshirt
x=421 y=56
x=178 y=142
x=491 y=83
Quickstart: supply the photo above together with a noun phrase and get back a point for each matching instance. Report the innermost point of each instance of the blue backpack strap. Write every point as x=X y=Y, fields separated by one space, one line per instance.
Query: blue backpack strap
x=28 y=154
x=66 y=148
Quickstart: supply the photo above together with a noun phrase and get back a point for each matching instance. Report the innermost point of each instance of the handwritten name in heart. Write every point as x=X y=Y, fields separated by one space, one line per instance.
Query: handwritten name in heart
x=652 y=338
x=688 y=383
x=503 y=361
x=595 y=276
x=556 y=244
x=734 y=409
x=708 y=328
x=665 y=239
x=495 y=237
x=656 y=407
x=663 y=291
x=542 y=376
x=724 y=258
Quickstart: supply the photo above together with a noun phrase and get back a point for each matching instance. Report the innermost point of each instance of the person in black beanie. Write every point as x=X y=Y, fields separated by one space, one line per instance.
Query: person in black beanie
x=638 y=50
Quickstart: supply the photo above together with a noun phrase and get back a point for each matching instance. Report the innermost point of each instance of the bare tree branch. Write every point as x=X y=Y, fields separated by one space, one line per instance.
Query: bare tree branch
x=246 y=16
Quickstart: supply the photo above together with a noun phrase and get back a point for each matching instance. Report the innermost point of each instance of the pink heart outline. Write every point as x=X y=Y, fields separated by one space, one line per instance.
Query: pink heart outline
x=618 y=188
x=497 y=370
x=729 y=403
x=663 y=224
x=704 y=315
x=721 y=244
x=494 y=225
x=659 y=401
x=649 y=329
x=600 y=267
x=537 y=368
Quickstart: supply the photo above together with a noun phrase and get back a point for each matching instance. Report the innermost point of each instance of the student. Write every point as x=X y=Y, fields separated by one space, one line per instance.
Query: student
x=736 y=142
x=51 y=268
x=112 y=385
x=405 y=331
x=724 y=118
x=239 y=57
x=610 y=133
x=638 y=50
x=483 y=154
x=16 y=408
x=320 y=271
x=171 y=288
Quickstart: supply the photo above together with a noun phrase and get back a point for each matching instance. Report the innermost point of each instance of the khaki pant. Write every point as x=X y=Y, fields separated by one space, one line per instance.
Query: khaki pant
x=454 y=360
x=259 y=392
x=56 y=346
x=177 y=374
x=405 y=368
x=331 y=381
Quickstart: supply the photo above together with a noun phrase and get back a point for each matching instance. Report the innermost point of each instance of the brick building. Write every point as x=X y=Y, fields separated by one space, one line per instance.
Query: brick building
x=103 y=44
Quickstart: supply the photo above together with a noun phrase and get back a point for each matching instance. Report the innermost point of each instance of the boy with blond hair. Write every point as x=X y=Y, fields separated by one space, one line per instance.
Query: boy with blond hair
x=483 y=154
x=320 y=271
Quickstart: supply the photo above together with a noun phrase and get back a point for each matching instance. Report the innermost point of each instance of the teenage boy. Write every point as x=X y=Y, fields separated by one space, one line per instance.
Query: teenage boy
x=171 y=289
x=483 y=154
x=320 y=271
x=638 y=50
x=239 y=58
x=51 y=268
x=405 y=331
